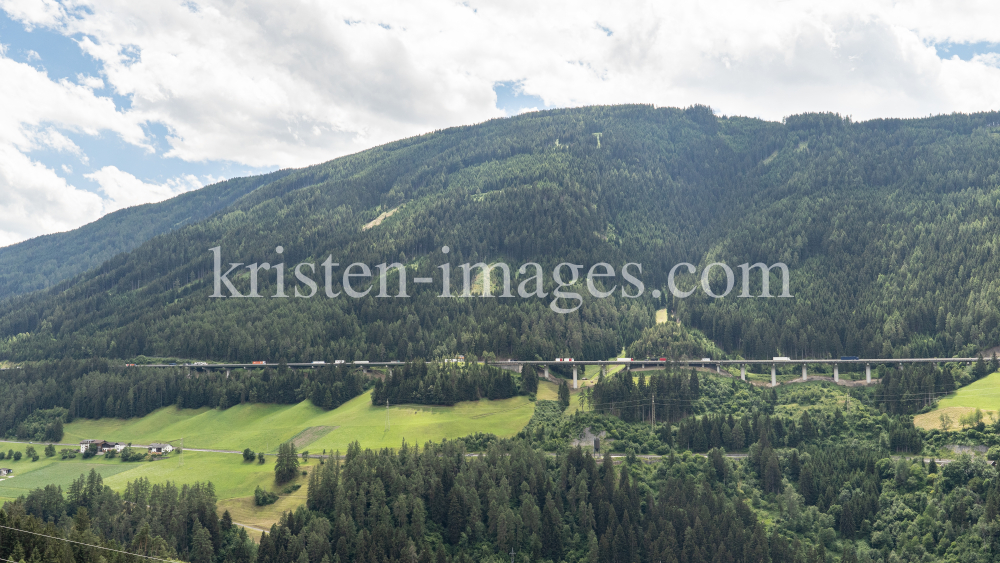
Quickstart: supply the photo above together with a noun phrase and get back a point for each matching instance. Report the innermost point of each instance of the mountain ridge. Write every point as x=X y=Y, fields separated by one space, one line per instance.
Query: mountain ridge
x=872 y=218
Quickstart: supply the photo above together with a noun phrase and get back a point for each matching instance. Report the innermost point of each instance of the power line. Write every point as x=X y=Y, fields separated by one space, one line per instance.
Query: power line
x=88 y=545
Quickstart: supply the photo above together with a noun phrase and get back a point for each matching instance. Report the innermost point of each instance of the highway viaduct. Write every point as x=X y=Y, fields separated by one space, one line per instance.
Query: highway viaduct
x=516 y=365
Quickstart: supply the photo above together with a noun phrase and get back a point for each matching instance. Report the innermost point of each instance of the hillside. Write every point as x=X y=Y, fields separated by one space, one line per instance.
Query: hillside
x=44 y=261
x=888 y=228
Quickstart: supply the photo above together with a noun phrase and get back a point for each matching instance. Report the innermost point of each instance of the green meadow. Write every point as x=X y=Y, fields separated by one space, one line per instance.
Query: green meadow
x=983 y=394
x=264 y=427
x=230 y=475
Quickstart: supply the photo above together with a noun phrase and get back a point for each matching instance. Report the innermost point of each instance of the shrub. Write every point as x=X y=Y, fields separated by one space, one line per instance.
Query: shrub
x=263 y=498
x=249 y=455
x=133 y=454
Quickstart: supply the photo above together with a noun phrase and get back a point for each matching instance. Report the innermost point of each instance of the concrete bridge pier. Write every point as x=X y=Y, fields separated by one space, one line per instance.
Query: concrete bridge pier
x=868 y=373
x=575 y=386
x=743 y=372
x=546 y=372
x=774 y=376
x=836 y=372
x=805 y=374
x=718 y=368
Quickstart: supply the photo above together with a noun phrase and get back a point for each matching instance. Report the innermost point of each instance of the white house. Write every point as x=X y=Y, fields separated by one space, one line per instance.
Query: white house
x=159 y=449
x=102 y=446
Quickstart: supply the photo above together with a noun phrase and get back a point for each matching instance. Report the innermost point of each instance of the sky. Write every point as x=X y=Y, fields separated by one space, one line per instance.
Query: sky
x=110 y=104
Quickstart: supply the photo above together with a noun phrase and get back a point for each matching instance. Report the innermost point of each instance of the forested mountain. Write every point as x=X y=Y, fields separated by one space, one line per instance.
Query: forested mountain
x=45 y=261
x=889 y=229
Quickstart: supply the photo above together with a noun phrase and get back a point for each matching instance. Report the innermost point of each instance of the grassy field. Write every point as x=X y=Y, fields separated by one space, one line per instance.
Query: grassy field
x=231 y=477
x=983 y=394
x=264 y=427
x=359 y=420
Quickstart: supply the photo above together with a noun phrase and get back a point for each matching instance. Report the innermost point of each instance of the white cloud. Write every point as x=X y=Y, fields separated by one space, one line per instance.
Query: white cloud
x=296 y=83
x=92 y=82
x=35 y=201
x=299 y=83
x=122 y=189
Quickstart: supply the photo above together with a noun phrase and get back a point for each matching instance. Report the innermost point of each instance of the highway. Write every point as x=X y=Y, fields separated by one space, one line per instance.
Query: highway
x=632 y=363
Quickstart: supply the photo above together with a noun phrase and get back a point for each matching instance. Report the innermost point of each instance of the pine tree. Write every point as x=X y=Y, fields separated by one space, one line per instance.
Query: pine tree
x=563 y=394
x=286 y=467
x=201 y=544
x=847 y=525
x=979 y=371
x=806 y=486
x=772 y=474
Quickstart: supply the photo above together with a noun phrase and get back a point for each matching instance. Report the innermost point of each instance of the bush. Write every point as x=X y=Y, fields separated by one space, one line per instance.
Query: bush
x=263 y=498
x=132 y=454
x=17 y=456
x=249 y=455
x=50 y=450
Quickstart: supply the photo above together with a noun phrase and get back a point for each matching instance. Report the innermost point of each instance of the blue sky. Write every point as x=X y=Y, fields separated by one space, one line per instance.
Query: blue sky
x=60 y=57
x=111 y=103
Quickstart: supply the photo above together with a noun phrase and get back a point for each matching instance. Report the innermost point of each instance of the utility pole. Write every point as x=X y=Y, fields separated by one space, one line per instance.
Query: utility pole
x=512 y=552
x=652 y=410
x=387 y=415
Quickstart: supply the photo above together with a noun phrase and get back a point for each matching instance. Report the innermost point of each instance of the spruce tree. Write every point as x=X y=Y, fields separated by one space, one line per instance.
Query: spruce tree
x=772 y=474
x=286 y=467
x=806 y=486
x=563 y=394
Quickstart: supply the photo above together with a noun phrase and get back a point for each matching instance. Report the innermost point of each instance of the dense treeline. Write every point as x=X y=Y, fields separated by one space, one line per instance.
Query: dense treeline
x=445 y=384
x=701 y=413
x=38 y=397
x=155 y=520
x=437 y=505
x=633 y=399
x=898 y=208
x=912 y=388
x=675 y=342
